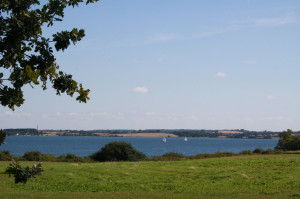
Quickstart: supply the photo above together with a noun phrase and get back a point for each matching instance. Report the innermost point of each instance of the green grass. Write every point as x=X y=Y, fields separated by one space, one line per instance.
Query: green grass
x=256 y=176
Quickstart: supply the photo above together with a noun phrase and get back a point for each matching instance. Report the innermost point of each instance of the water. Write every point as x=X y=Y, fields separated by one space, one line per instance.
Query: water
x=84 y=146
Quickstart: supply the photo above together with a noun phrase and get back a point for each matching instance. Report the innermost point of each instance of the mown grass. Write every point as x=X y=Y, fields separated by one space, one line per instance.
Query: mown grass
x=256 y=176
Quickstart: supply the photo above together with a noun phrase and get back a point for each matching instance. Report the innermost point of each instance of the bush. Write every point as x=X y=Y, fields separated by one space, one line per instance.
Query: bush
x=223 y=154
x=258 y=150
x=69 y=158
x=170 y=156
x=117 y=151
x=5 y=155
x=32 y=156
x=173 y=156
x=246 y=152
x=268 y=151
x=23 y=174
x=214 y=155
x=48 y=157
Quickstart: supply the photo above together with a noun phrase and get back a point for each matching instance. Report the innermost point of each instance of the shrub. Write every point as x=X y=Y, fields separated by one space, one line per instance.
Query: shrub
x=48 y=157
x=5 y=155
x=23 y=174
x=258 y=150
x=246 y=152
x=223 y=154
x=173 y=156
x=168 y=156
x=117 y=151
x=268 y=151
x=278 y=151
x=32 y=156
x=69 y=158
x=214 y=155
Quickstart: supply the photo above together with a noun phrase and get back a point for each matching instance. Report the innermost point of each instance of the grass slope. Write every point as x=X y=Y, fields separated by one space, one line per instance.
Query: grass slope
x=257 y=176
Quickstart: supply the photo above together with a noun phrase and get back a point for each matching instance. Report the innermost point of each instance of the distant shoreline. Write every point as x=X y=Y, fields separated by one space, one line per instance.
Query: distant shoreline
x=234 y=133
x=136 y=135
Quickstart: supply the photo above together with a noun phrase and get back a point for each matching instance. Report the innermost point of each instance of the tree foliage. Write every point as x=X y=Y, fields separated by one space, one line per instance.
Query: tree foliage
x=5 y=156
x=287 y=141
x=2 y=137
x=23 y=174
x=32 y=156
x=26 y=56
x=117 y=151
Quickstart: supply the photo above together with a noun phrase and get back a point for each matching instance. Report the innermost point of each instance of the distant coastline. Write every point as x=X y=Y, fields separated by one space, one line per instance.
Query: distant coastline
x=231 y=133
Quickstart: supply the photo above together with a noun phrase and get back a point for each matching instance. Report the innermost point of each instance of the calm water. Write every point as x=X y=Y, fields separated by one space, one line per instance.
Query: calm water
x=84 y=146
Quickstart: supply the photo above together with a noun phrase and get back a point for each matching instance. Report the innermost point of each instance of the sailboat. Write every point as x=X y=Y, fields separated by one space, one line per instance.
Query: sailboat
x=185 y=139
x=164 y=140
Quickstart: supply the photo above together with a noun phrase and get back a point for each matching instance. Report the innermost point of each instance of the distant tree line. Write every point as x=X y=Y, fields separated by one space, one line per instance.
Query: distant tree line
x=25 y=131
x=179 y=132
x=288 y=141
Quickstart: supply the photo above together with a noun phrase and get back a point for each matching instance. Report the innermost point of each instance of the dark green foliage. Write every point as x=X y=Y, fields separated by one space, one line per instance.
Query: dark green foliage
x=2 y=137
x=248 y=152
x=37 y=156
x=118 y=151
x=23 y=174
x=27 y=131
x=5 y=156
x=48 y=158
x=69 y=158
x=32 y=156
x=258 y=150
x=27 y=56
x=288 y=142
x=173 y=155
x=214 y=155
x=268 y=151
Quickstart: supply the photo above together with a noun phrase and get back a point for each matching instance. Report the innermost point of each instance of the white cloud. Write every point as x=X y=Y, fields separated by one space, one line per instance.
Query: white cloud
x=270 y=97
x=140 y=90
x=219 y=74
x=193 y=118
x=162 y=38
x=73 y=114
x=279 y=118
x=150 y=113
x=105 y=115
x=8 y=113
x=15 y=114
x=209 y=33
x=275 y=21
x=136 y=61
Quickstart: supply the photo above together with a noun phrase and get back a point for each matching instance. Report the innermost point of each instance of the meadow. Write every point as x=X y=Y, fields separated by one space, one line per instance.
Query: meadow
x=255 y=176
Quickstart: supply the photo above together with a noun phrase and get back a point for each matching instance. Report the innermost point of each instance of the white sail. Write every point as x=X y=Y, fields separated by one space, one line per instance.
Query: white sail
x=185 y=139
x=164 y=140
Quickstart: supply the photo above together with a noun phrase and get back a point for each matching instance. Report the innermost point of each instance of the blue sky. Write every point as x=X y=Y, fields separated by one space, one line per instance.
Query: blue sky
x=175 y=64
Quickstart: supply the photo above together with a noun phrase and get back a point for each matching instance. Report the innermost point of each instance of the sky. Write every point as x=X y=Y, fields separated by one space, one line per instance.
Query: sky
x=174 y=64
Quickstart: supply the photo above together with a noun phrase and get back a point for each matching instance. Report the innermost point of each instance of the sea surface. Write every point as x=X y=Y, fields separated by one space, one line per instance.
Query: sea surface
x=84 y=146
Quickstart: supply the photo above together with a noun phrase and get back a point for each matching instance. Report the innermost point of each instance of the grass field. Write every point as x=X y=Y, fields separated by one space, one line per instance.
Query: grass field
x=256 y=176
